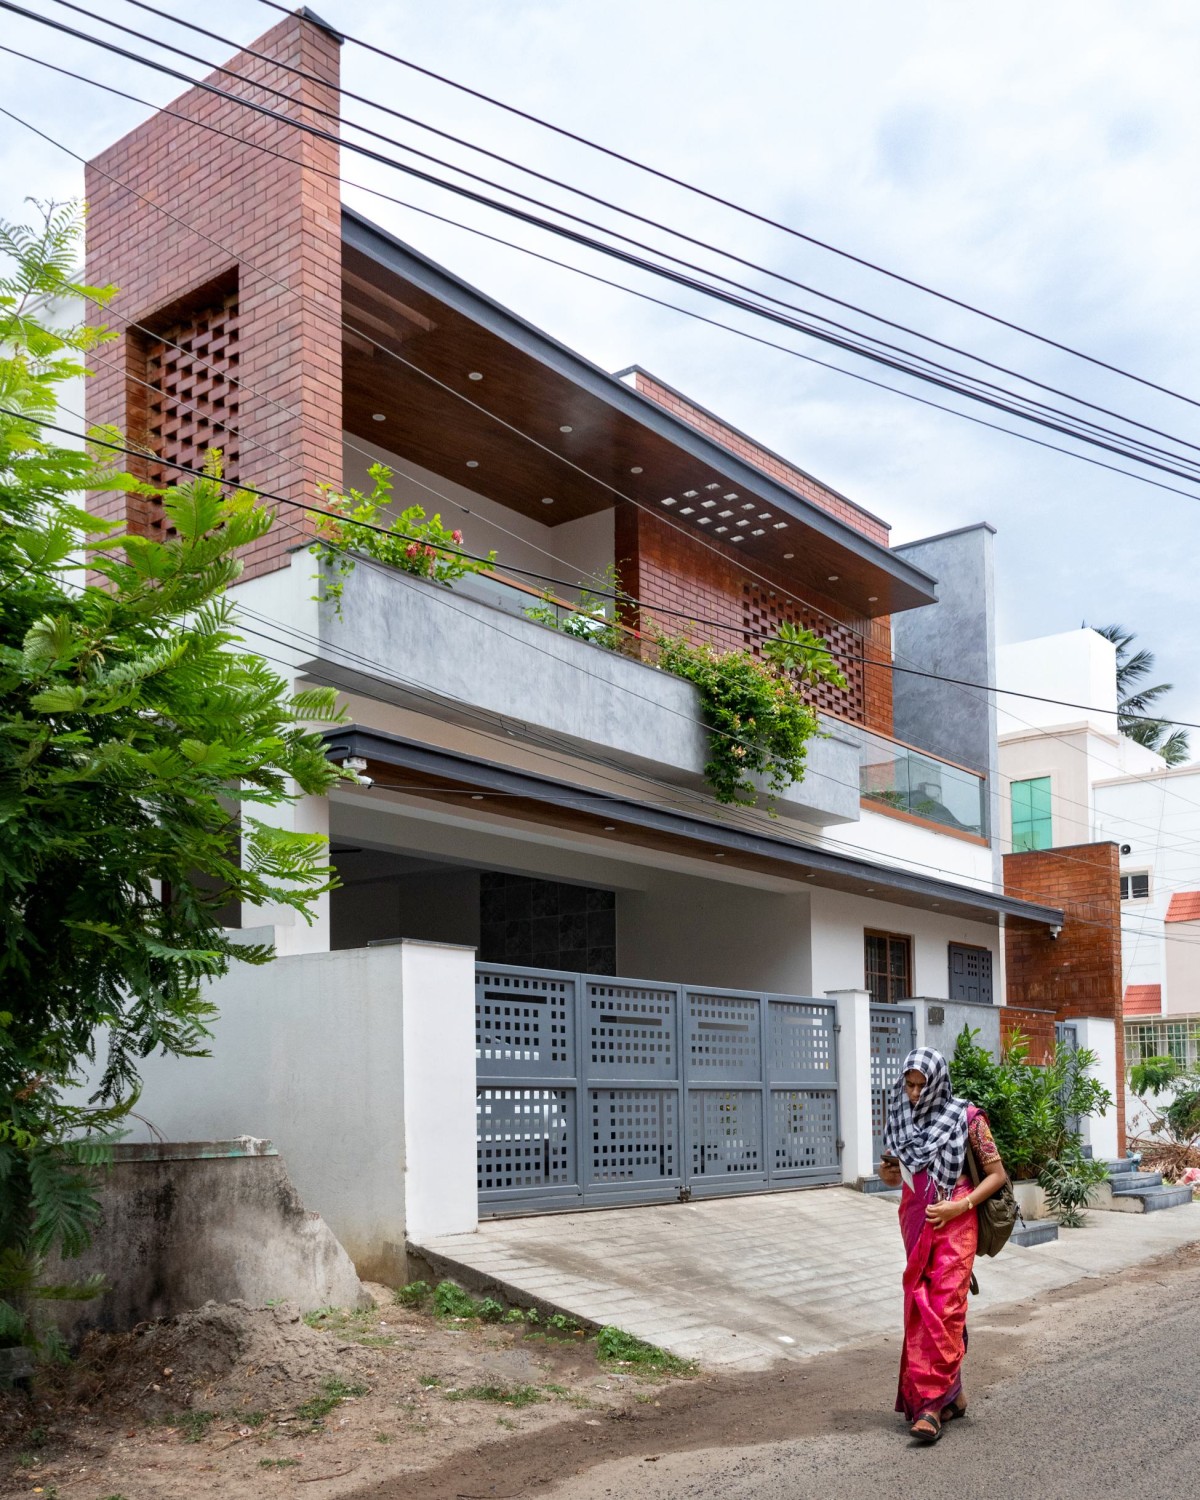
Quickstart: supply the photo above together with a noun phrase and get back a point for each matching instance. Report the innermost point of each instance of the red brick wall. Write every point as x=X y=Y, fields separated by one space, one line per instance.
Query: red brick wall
x=1079 y=973
x=277 y=228
x=1036 y=1026
x=778 y=469
x=665 y=567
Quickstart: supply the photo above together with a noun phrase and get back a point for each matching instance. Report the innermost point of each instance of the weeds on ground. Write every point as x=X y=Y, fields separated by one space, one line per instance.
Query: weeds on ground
x=193 y=1425
x=429 y=1382
x=506 y=1395
x=361 y=1327
x=332 y=1394
x=278 y=1463
x=414 y=1295
x=617 y=1347
x=450 y=1301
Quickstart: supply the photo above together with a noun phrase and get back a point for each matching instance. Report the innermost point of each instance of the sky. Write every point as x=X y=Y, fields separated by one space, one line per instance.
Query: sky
x=1036 y=161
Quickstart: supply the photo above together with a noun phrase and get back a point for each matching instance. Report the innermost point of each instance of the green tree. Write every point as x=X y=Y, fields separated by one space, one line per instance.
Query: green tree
x=136 y=742
x=1135 y=703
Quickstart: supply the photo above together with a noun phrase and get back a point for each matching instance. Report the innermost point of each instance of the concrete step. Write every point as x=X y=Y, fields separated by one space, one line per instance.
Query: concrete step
x=1122 y=1182
x=1122 y=1166
x=1034 y=1232
x=872 y=1185
x=1139 y=1200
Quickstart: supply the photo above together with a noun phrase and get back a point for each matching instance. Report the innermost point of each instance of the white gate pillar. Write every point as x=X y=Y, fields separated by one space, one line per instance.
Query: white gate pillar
x=1099 y=1033
x=854 y=1082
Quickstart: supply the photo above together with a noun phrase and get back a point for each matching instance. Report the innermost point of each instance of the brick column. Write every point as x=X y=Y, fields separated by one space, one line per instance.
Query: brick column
x=1077 y=974
x=246 y=276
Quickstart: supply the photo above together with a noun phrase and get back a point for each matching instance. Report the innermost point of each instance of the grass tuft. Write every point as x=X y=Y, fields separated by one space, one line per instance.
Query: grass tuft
x=618 y=1347
x=505 y=1395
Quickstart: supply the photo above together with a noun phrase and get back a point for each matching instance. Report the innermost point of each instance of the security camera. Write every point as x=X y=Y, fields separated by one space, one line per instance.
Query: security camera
x=1126 y=848
x=354 y=763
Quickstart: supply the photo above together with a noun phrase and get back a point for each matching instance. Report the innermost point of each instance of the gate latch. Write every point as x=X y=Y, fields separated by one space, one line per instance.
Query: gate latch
x=685 y=1195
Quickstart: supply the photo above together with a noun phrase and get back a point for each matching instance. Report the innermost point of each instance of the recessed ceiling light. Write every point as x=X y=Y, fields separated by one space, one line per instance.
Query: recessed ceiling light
x=872 y=598
x=764 y=515
x=718 y=856
x=547 y=499
x=687 y=510
x=810 y=877
x=722 y=528
x=936 y=904
x=378 y=416
x=474 y=375
x=743 y=522
x=708 y=504
x=749 y=505
x=833 y=578
x=704 y=521
x=670 y=500
x=737 y=538
x=610 y=828
x=476 y=796
x=637 y=469
x=779 y=526
x=759 y=532
x=787 y=556
x=712 y=486
x=566 y=429
x=870 y=890
x=472 y=463
x=724 y=514
x=731 y=497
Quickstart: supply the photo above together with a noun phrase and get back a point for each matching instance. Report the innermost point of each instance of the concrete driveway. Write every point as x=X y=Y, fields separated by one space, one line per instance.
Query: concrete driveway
x=739 y=1283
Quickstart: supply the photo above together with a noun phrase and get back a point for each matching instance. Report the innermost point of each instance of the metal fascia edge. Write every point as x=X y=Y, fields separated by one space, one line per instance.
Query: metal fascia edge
x=395 y=750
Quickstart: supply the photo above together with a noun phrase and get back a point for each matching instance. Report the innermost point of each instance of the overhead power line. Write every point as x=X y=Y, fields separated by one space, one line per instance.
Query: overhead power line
x=749 y=213
x=337 y=115
x=745 y=304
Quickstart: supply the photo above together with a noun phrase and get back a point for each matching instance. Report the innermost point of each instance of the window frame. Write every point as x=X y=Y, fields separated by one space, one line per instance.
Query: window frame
x=1127 y=878
x=899 y=940
x=1038 y=823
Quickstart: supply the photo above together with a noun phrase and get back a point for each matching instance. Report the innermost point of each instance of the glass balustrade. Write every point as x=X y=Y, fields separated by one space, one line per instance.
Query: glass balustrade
x=904 y=779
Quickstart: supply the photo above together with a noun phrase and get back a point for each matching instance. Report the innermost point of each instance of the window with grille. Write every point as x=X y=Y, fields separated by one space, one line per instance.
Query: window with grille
x=1177 y=1039
x=1135 y=886
x=889 y=967
x=1031 y=814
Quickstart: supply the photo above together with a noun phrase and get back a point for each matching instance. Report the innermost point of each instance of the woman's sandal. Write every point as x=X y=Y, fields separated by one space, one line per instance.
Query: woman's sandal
x=949 y=1413
x=930 y=1432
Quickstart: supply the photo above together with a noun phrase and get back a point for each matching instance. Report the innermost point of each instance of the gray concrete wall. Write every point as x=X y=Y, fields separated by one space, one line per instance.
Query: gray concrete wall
x=446 y=650
x=955 y=637
x=186 y=1223
x=942 y=1036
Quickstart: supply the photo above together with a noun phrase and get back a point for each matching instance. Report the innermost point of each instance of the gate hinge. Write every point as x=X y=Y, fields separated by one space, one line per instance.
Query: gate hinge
x=837 y=1026
x=841 y=1145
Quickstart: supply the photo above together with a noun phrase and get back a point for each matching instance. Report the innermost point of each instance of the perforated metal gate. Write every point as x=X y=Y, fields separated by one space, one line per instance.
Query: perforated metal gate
x=594 y=1090
x=892 y=1039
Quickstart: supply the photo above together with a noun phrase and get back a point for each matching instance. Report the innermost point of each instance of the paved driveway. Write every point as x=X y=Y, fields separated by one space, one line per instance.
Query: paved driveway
x=743 y=1282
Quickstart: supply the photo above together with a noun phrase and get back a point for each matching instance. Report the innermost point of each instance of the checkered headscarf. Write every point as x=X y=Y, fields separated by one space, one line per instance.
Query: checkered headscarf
x=932 y=1137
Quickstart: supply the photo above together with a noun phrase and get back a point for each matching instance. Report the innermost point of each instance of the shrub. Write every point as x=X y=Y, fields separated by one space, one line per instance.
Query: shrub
x=1029 y=1108
x=1068 y=1183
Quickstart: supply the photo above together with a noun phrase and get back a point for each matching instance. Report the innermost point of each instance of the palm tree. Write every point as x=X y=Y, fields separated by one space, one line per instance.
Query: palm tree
x=1134 y=703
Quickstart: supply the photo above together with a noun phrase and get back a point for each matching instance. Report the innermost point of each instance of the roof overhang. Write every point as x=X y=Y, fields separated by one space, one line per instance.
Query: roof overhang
x=444 y=775
x=544 y=422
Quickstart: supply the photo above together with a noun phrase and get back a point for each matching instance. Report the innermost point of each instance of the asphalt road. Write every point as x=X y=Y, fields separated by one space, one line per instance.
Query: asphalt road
x=1099 y=1396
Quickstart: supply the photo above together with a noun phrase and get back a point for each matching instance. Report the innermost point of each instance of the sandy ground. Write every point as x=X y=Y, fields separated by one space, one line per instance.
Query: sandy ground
x=231 y=1401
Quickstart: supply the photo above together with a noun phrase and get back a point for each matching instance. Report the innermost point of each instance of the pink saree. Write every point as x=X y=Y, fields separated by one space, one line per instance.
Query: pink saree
x=937 y=1280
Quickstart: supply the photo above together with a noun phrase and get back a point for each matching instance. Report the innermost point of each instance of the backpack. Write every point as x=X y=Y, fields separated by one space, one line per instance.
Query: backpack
x=997 y=1215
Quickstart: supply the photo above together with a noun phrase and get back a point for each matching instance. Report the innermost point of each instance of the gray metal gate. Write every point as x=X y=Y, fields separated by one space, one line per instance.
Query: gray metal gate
x=595 y=1090
x=892 y=1039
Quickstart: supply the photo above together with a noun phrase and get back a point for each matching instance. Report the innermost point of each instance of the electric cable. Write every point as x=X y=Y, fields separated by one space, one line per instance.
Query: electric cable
x=745 y=304
x=726 y=254
x=747 y=212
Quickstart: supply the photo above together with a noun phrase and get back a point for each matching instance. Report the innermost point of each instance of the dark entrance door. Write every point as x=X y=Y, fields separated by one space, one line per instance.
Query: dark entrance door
x=970 y=974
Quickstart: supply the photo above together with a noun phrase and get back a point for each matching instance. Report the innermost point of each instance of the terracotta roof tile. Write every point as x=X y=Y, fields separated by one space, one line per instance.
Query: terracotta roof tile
x=1143 y=999
x=1184 y=907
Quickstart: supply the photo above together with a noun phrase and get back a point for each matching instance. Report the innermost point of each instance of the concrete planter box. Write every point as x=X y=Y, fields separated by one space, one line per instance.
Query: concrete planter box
x=452 y=650
x=1031 y=1200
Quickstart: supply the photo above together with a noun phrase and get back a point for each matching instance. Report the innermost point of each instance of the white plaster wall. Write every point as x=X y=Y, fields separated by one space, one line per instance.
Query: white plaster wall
x=1099 y=1034
x=571 y=550
x=912 y=846
x=310 y=1053
x=1075 y=667
x=840 y=921
x=1064 y=759
x=1181 y=944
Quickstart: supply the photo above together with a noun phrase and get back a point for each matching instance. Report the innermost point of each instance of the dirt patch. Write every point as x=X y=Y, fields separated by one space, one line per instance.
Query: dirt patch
x=239 y=1402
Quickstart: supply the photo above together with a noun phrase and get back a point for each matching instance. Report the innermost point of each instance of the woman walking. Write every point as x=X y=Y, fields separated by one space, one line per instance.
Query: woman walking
x=926 y=1138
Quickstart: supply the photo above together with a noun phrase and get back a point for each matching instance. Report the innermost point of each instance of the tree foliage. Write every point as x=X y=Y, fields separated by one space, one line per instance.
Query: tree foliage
x=137 y=743
x=1136 y=703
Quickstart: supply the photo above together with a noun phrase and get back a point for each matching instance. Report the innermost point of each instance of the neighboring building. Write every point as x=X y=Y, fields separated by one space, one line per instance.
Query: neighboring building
x=1068 y=777
x=668 y=996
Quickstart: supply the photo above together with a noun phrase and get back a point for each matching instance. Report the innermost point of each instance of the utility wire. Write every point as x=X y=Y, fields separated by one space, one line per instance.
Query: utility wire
x=747 y=304
x=747 y=212
x=340 y=118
